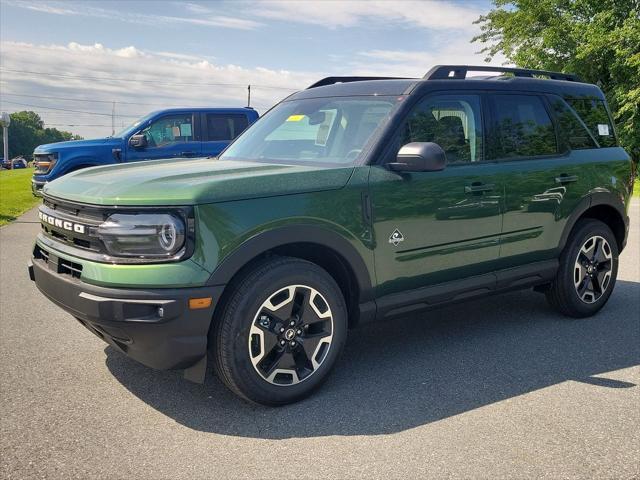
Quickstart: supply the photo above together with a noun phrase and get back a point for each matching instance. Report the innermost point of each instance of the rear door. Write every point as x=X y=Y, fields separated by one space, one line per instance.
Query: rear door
x=541 y=146
x=434 y=227
x=169 y=136
x=219 y=129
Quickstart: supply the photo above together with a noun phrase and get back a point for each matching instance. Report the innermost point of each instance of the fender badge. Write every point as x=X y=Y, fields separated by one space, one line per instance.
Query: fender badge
x=396 y=237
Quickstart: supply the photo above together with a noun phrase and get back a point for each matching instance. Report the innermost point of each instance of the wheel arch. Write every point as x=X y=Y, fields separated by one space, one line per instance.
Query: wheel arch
x=321 y=246
x=603 y=206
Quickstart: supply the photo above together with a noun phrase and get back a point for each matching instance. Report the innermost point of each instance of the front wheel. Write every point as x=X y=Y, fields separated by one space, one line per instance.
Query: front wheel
x=280 y=331
x=587 y=272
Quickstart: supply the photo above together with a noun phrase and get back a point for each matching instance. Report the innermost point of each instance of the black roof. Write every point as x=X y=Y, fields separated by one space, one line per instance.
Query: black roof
x=453 y=77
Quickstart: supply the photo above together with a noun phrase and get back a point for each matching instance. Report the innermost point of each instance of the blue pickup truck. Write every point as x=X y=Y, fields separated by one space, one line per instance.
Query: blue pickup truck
x=176 y=132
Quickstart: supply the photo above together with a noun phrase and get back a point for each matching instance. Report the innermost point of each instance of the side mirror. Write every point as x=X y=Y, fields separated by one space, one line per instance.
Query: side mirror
x=419 y=157
x=138 y=141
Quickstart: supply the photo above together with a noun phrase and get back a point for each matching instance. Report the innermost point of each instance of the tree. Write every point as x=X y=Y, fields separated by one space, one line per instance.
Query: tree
x=27 y=131
x=597 y=39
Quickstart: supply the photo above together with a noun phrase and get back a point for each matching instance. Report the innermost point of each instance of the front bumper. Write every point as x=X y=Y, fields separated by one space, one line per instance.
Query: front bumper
x=153 y=326
x=36 y=187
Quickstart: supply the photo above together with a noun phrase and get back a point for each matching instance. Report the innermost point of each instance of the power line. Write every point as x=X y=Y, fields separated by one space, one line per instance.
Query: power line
x=75 y=125
x=61 y=115
x=68 y=110
x=156 y=82
x=159 y=104
x=47 y=97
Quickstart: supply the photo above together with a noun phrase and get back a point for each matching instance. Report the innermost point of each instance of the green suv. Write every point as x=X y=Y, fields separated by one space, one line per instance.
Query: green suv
x=357 y=199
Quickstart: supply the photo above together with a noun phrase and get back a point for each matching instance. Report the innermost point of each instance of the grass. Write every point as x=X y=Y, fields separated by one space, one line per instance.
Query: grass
x=636 y=187
x=15 y=194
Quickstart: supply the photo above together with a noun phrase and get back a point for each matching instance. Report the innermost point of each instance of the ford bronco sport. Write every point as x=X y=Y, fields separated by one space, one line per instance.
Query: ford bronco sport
x=357 y=199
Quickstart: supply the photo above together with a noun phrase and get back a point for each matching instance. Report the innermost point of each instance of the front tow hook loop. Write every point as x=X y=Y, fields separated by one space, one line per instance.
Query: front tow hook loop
x=32 y=276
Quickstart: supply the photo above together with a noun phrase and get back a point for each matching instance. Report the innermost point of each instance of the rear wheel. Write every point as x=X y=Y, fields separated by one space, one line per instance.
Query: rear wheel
x=280 y=331
x=587 y=272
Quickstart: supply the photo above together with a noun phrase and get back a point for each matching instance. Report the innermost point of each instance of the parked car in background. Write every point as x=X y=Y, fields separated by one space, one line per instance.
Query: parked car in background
x=171 y=133
x=16 y=162
x=19 y=162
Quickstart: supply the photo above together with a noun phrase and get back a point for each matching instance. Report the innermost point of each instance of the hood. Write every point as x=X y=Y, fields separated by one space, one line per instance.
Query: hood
x=73 y=144
x=191 y=182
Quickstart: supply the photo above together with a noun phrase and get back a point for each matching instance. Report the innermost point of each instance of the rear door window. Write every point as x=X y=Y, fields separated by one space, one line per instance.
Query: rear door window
x=594 y=114
x=225 y=127
x=522 y=127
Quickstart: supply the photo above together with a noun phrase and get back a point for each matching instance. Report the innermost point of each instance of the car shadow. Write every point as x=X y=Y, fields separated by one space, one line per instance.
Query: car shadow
x=409 y=372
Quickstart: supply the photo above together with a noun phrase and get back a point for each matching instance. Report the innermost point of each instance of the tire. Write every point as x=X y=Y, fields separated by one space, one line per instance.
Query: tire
x=581 y=288
x=257 y=317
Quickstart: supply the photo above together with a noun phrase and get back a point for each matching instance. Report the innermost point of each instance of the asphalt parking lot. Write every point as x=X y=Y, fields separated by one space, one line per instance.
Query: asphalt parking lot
x=501 y=387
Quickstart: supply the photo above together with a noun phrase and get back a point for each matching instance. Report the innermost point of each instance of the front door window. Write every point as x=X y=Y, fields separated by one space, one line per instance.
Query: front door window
x=451 y=121
x=169 y=130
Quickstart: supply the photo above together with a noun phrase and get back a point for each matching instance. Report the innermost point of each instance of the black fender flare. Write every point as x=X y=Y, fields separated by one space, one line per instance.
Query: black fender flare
x=282 y=236
x=596 y=198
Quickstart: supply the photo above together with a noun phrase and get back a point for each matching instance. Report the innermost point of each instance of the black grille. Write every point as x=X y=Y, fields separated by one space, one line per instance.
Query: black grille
x=72 y=229
x=40 y=254
x=59 y=265
x=68 y=216
x=65 y=267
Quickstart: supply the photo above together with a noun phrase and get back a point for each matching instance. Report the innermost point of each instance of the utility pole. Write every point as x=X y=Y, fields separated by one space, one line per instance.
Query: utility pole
x=5 y=120
x=113 y=119
x=248 y=95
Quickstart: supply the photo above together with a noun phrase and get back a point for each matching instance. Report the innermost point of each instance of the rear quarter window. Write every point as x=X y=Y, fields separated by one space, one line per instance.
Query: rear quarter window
x=225 y=127
x=573 y=134
x=595 y=116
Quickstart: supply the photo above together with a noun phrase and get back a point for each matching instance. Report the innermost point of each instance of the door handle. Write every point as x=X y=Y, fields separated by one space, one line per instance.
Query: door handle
x=479 y=187
x=564 y=178
x=187 y=154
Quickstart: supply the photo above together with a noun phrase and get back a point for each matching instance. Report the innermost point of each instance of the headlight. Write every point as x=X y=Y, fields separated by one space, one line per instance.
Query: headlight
x=144 y=235
x=45 y=162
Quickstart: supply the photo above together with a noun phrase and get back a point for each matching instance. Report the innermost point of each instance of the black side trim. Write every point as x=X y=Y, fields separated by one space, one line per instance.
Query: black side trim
x=458 y=290
x=425 y=297
x=271 y=239
x=526 y=275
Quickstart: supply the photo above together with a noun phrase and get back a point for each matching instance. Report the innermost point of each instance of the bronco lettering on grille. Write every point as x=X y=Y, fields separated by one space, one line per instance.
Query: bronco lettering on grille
x=64 y=224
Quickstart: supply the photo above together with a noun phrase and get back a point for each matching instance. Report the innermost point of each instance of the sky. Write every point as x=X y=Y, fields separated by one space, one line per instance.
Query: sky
x=70 y=60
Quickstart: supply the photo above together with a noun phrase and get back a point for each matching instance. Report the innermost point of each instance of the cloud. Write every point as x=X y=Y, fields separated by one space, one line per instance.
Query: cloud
x=211 y=21
x=438 y=15
x=44 y=8
x=204 y=16
x=427 y=14
x=417 y=62
x=126 y=52
x=138 y=81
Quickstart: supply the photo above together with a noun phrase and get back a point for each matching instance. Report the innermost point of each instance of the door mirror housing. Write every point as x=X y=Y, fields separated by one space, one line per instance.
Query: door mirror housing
x=138 y=141
x=419 y=157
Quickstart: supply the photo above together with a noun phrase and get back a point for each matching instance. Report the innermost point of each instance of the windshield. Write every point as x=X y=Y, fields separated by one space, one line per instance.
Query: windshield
x=318 y=131
x=134 y=126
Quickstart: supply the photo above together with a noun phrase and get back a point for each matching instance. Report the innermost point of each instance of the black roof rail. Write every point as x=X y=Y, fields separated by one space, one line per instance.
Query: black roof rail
x=459 y=72
x=332 y=80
